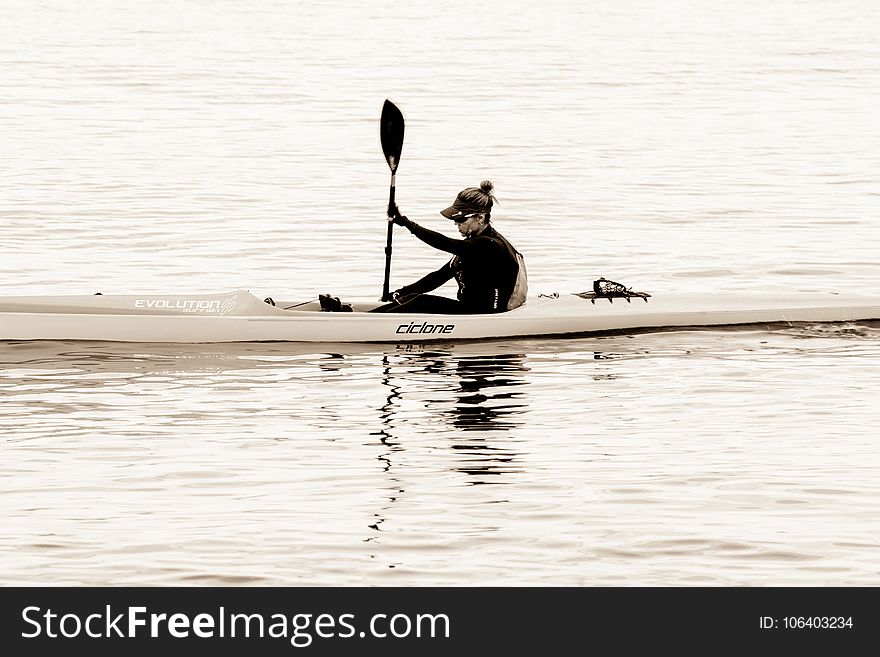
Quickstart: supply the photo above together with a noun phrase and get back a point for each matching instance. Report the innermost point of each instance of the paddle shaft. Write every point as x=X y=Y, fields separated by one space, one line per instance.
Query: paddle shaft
x=391 y=129
x=386 y=293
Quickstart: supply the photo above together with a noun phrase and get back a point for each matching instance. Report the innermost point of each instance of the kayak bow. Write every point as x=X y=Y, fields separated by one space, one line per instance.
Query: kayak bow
x=241 y=317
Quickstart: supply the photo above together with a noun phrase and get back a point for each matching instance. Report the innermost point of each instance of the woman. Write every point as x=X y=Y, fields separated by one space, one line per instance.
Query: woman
x=491 y=274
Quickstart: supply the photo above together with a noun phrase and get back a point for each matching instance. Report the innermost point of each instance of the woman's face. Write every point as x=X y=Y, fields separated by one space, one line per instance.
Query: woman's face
x=471 y=225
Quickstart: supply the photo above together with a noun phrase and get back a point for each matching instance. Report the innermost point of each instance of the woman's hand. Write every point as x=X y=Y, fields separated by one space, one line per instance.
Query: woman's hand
x=394 y=216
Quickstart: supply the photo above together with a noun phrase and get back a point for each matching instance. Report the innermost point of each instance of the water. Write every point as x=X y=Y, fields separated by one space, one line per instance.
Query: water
x=196 y=146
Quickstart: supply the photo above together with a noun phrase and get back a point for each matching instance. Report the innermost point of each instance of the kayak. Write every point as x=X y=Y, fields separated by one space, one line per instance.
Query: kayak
x=240 y=316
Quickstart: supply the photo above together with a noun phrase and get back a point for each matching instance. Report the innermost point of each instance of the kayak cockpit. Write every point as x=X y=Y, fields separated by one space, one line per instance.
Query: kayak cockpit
x=315 y=306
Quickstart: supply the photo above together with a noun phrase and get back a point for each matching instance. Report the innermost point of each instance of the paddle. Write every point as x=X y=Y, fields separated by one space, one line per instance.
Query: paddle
x=391 y=134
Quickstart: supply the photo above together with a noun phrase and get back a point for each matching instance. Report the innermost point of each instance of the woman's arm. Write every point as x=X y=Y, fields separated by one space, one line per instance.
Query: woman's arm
x=430 y=282
x=435 y=239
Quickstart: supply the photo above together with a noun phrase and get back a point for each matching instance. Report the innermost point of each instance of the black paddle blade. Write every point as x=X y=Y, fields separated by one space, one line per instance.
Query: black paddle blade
x=391 y=133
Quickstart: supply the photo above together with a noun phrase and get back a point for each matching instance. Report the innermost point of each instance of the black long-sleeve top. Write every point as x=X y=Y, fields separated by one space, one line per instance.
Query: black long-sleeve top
x=484 y=266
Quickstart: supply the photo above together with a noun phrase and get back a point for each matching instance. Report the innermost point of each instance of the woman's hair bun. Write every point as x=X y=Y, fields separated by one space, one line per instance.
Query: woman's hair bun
x=486 y=186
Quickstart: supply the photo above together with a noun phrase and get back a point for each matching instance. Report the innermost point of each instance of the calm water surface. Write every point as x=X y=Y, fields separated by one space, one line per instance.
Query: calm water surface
x=194 y=146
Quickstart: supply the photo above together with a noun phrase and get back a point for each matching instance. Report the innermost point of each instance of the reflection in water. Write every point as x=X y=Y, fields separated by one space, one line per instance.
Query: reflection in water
x=485 y=398
x=387 y=441
x=489 y=400
x=480 y=398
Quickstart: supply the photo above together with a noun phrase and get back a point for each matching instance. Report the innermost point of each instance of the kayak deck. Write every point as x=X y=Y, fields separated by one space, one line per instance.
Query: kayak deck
x=241 y=317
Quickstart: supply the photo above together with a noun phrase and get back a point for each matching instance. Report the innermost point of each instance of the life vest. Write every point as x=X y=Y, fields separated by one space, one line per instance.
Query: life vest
x=521 y=287
x=512 y=291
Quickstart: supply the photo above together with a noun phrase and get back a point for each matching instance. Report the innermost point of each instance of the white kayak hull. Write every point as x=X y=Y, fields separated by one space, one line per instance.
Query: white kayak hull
x=241 y=317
